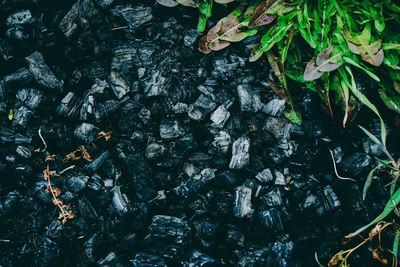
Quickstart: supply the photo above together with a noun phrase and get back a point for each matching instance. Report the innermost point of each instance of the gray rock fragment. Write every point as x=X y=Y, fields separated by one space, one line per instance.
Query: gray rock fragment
x=69 y=105
x=279 y=178
x=135 y=16
x=119 y=84
x=279 y=128
x=86 y=132
x=221 y=143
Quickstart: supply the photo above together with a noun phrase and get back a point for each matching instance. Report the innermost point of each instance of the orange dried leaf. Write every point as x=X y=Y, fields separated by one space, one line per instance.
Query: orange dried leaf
x=376 y=254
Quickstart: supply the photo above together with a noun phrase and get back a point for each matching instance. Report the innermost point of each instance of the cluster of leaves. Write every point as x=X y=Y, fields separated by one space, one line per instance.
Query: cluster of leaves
x=345 y=35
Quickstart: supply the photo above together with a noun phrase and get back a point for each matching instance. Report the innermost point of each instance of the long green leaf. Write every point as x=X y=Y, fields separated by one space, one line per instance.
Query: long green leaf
x=368 y=182
x=391 y=204
x=395 y=248
x=355 y=64
x=368 y=103
x=317 y=260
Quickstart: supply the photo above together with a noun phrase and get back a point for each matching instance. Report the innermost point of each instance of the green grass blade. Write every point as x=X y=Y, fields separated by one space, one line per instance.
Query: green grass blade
x=368 y=103
x=368 y=182
x=395 y=248
x=355 y=64
x=316 y=259
x=391 y=204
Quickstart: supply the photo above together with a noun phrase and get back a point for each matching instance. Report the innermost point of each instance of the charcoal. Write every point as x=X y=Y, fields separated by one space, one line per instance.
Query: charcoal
x=104 y=3
x=240 y=153
x=248 y=100
x=86 y=209
x=89 y=246
x=77 y=183
x=17 y=33
x=155 y=151
x=219 y=117
x=272 y=219
x=19 y=17
x=21 y=139
x=275 y=107
x=23 y=152
x=147 y=260
x=242 y=206
x=265 y=176
x=69 y=105
x=194 y=183
x=86 y=132
x=332 y=200
x=283 y=250
x=171 y=228
x=190 y=37
x=273 y=198
x=169 y=129
x=199 y=109
x=279 y=178
x=279 y=128
x=34 y=99
x=198 y=258
x=98 y=162
x=42 y=73
x=119 y=84
x=120 y=202
x=22 y=116
x=18 y=78
x=134 y=16
x=157 y=84
x=234 y=236
x=221 y=143
x=356 y=164
x=81 y=13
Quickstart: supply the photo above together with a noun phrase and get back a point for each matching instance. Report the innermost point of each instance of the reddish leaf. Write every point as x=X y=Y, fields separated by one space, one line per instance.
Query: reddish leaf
x=167 y=3
x=260 y=16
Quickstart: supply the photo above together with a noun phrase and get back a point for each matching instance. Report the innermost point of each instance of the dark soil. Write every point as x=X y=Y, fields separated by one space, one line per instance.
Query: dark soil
x=202 y=167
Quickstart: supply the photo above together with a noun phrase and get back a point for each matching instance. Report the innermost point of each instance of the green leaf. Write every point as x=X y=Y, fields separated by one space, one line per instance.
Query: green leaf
x=368 y=181
x=389 y=46
x=391 y=204
x=355 y=64
x=293 y=116
x=10 y=115
x=256 y=53
x=363 y=99
x=395 y=248
x=316 y=259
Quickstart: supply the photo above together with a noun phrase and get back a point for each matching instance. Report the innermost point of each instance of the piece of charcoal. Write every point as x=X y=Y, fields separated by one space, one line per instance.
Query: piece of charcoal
x=242 y=206
x=248 y=100
x=197 y=258
x=69 y=105
x=42 y=73
x=265 y=176
x=18 y=78
x=19 y=17
x=23 y=152
x=221 y=143
x=135 y=16
x=275 y=107
x=240 y=153
x=219 y=117
x=145 y=259
x=199 y=109
x=82 y=11
x=119 y=84
x=170 y=228
x=279 y=128
x=279 y=178
x=22 y=116
x=86 y=132
x=77 y=183
x=157 y=84
x=97 y=162
x=169 y=129
x=194 y=183
x=120 y=202
x=273 y=198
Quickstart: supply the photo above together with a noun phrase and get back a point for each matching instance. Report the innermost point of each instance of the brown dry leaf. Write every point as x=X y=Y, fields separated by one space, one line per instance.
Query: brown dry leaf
x=104 y=135
x=375 y=60
x=56 y=201
x=224 y=1
x=376 y=254
x=57 y=192
x=335 y=259
x=213 y=36
x=260 y=16
x=50 y=158
x=73 y=155
x=188 y=3
x=203 y=45
x=315 y=70
x=374 y=231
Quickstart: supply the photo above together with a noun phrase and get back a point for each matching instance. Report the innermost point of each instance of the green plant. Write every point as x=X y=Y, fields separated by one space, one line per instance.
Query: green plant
x=344 y=34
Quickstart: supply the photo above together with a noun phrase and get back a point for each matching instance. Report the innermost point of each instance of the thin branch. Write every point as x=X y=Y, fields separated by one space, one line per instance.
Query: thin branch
x=67 y=169
x=334 y=166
